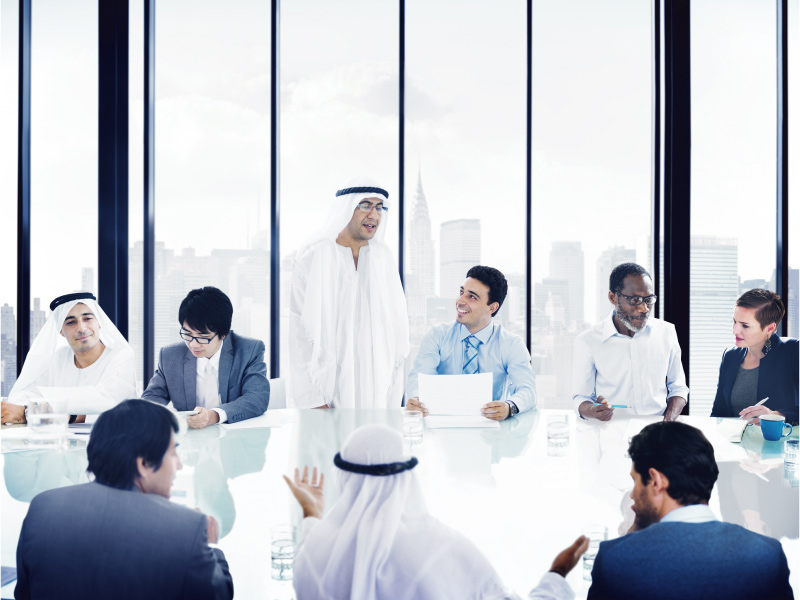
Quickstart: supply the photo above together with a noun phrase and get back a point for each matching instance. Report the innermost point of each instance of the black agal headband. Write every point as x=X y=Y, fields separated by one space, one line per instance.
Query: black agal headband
x=380 y=470
x=362 y=190
x=69 y=297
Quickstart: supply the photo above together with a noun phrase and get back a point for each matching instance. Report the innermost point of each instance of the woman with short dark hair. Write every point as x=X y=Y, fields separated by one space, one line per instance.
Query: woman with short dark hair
x=761 y=365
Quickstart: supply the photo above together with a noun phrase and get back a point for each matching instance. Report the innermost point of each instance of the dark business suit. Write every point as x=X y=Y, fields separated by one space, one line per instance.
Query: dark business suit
x=94 y=541
x=777 y=378
x=691 y=560
x=243 y=383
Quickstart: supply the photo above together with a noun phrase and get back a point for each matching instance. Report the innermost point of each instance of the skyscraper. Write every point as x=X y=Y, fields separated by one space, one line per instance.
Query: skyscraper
x=8 y=349
x=714 y=287
x=460 y=249
x=419 y=275
x=87 y=280
x=38 y=318
x=566 y=262
x=420 y=242
x=792 y=313
x=610 y=258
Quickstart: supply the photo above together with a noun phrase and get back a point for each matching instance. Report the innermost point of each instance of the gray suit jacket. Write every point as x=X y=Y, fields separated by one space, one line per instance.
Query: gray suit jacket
x=243 y=383
x=94 y=541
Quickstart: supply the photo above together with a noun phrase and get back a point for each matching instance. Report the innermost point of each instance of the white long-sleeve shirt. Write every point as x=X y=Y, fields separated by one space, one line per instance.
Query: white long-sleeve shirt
x=642 y=371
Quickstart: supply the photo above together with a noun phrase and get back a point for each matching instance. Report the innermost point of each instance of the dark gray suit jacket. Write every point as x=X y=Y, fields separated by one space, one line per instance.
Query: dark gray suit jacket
x=94 y=541
x=243 y=383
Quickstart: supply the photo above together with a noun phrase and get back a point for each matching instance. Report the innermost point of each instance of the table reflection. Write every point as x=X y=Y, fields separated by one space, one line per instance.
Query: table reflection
x=504 y=488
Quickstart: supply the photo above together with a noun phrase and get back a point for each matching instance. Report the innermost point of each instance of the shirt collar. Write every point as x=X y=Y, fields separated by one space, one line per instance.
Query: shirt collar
x=610 y=330
x=694 y=513
x=214 y=360
x=483 y=335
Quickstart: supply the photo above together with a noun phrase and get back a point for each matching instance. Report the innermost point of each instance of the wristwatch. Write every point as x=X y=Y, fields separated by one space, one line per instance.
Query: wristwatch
x=512 y=408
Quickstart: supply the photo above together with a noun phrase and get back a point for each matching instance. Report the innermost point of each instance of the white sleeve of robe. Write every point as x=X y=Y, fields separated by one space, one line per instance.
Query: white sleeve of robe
x=103 y=385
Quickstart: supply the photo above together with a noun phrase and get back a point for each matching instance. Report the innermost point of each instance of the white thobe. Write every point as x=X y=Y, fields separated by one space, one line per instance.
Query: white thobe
x=100 y=386
x=347 y=307
x=428 y=560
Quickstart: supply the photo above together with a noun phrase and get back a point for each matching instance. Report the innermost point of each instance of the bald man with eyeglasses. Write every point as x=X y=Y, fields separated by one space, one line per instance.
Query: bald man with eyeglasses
x=629 y=363
x=217 y=374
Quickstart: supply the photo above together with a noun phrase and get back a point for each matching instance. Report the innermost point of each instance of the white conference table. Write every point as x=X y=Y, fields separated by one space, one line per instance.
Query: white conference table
x=499 y=487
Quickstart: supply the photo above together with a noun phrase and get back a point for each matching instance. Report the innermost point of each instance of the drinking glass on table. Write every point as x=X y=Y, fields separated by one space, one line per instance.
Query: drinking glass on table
x=282 y=551
x=48 y=421
x=596 y=534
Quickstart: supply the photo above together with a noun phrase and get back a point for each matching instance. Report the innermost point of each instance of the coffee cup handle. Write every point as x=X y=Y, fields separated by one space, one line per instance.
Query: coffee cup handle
x=790 y=430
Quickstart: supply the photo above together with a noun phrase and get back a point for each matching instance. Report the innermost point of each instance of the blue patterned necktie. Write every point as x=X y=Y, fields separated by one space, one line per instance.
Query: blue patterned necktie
x=471 y=344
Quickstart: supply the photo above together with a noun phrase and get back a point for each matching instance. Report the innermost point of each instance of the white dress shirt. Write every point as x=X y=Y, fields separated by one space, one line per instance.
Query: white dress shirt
x=641 y=372
x=200 y=385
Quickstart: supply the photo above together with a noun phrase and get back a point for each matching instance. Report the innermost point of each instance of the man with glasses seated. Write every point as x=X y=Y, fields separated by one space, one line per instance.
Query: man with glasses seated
x=214 y=371
x=629 y=363
x=348 y=322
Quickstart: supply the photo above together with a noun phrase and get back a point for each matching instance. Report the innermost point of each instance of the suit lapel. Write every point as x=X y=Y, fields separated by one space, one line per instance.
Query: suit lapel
x=190 y=380
x=225 y=364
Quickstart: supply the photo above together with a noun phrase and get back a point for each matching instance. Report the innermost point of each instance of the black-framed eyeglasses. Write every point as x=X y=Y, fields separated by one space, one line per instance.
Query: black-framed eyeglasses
x=637 y=300
x=199 y=340
x=368 y=206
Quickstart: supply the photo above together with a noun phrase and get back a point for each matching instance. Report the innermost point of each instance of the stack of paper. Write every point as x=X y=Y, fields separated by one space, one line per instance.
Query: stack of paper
x=456 y=400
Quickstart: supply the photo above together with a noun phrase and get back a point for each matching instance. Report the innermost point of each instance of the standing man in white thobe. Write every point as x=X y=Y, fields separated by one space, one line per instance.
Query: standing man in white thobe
x=78 y=347
x=348 y=325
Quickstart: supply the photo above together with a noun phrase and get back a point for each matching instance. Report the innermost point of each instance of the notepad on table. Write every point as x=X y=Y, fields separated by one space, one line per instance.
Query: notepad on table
x=732 y=429
x=456 y=400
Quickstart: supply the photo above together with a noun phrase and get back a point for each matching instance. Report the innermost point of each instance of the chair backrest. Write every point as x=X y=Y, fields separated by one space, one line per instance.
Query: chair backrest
x=277 y=393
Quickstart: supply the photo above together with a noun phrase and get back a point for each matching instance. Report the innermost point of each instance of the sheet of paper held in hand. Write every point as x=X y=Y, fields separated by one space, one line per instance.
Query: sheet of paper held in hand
x=456 y=400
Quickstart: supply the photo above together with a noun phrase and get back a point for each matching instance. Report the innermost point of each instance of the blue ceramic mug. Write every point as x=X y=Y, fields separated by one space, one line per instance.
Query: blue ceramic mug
x=772 y=427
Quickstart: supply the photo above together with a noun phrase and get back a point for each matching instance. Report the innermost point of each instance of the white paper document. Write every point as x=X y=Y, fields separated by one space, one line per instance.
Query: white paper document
x=456 y=400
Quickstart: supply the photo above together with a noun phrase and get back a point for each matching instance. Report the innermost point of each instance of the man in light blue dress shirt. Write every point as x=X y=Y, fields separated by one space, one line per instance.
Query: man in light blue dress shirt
x=475 y=344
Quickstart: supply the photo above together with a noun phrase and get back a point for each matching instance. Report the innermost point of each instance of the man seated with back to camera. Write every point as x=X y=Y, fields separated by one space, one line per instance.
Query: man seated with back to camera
x=678 y=549
x=220 y=374
x=119 y=536
x=378 y=541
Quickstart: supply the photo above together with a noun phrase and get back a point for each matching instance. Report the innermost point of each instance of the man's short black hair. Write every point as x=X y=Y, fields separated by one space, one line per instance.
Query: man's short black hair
x=682 y=453
x=207 y=310
x=616 y=280
x=494 y=280
x=132 y=429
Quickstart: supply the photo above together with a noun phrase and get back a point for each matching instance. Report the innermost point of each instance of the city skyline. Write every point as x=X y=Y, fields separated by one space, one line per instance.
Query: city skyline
x=556 y=321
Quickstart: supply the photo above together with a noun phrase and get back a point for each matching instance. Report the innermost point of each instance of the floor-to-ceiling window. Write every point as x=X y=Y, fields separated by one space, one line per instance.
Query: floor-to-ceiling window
x=793 y=304
x=733 y=175
x=465 y=156
x=9 y=69
x=211 y=162
x=64 y=92
x=591 y=171
x=592 y=174
x=338 y=118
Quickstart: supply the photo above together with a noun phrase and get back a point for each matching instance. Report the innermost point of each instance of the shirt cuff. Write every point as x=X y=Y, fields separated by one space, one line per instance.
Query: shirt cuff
x=223 y=417
x=552 y=585
x=577 y=401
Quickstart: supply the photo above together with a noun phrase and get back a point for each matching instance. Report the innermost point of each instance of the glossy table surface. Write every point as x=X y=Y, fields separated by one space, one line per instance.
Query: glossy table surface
x=501 y=487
